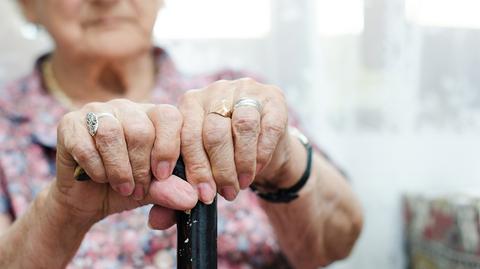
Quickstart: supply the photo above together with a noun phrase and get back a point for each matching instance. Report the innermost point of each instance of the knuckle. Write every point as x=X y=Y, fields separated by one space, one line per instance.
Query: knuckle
x=142 y=174
x=97 y=175
x=83 y=153
x=265 y=150
x=108 y=134
x=220 y=83
x=65 y=126
x=169 y=113
x=91 y=106
x=188 y=96
x=69 y=117
x=246 y=124
x=188 y=100
x=144 y=132
x=139 y=134
x=190 y=136
x=266 y=147
x=276 y=95
x=215 y=134
x=224 y=175
x=68 y=120
x=165 y=151
x=248 y=80
x=198 y=170
x=245 y=145
x=118 y=174
x=274 y=130
x=119 y=102
x=277 y=91
x=218 y=86
x=244 y=164
x=263 y=155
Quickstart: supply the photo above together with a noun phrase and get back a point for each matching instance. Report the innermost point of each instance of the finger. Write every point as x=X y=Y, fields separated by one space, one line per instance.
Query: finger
x=161 y=218
x=76 y=147
x=172 y=192
x=167 y=121
x=218 y=142
x=139 y=136
x=246 y=128
x=196 y=159
x=111 y=144
x=273 y=126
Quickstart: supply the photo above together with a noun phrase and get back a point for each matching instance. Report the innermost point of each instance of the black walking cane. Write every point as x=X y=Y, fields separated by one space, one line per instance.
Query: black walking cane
x=196 y=229
x=196 y=232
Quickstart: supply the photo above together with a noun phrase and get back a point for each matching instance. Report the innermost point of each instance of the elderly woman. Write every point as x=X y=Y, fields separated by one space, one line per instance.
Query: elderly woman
x=231 y=133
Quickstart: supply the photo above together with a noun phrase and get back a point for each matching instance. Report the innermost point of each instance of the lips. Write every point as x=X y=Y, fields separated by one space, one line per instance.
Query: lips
x=108 y=20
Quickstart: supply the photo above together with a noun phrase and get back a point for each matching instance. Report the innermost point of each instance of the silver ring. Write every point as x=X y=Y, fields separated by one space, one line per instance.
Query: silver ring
x=92 y=121
x=245 y=101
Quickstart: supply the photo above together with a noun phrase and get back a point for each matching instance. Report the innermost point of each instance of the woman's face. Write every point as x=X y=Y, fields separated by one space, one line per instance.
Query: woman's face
x=98 y=28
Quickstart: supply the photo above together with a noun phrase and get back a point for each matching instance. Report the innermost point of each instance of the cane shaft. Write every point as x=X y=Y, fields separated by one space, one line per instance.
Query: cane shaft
x=196 y=233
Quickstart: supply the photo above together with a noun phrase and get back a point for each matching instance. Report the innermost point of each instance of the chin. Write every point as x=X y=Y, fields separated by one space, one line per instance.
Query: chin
x=111 y=52
x=117 y=45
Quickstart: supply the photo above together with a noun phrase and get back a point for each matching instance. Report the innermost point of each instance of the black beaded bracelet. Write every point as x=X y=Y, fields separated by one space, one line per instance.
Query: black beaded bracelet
x=286 y=195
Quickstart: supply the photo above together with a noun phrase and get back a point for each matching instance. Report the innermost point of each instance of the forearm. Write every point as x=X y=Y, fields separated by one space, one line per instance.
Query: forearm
x=44 y=237
x=322 y=225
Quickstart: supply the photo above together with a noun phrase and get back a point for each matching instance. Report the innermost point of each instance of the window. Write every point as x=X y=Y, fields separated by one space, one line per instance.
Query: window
x=340 y=17
x=444 y=13
x=192 y=19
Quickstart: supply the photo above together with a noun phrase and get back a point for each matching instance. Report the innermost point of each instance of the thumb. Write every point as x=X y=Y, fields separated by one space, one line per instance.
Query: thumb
x=173 y=192
x=161 y=218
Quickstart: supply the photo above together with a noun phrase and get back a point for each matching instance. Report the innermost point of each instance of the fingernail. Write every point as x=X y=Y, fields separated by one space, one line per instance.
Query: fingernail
x=138 y=193
x=206 y=193
x=244 y=180
x=163 y=170
x=228 y=192
x=125 y=189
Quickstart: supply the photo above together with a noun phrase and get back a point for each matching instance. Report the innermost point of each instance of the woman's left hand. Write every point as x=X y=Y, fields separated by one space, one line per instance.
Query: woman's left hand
x=226 y=154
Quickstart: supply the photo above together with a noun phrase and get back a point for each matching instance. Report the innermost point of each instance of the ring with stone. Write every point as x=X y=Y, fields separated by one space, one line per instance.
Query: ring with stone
x=92 y=121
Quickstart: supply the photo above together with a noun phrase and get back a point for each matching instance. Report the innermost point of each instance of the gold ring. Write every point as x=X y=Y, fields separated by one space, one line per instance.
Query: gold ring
x=222 y=108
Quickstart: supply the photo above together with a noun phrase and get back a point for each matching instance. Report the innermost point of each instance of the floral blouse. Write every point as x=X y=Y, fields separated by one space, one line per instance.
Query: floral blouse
x=28 y=121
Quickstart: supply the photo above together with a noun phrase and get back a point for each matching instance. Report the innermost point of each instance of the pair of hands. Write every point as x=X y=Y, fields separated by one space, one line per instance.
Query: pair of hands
x=131 y=158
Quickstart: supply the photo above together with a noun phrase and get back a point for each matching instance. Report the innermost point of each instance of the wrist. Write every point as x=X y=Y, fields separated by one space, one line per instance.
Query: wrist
x=277 y=193
x=78 y=204
x=288 y=164
x=49 y=234
x=294 y=166
x=58 y=214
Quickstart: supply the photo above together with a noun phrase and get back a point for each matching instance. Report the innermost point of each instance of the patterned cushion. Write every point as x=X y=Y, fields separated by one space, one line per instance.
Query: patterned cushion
x=442 y=231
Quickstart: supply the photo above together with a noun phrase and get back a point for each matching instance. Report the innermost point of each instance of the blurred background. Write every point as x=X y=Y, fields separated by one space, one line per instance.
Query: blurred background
x=390 y=89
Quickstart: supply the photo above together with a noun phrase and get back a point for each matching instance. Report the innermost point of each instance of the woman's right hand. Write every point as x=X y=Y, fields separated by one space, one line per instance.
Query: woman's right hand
x=119 y=160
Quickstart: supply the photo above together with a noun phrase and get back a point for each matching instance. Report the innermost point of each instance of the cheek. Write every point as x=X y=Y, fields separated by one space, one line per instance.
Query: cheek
x=147 y=12
x=64 y=22
x=62 y=19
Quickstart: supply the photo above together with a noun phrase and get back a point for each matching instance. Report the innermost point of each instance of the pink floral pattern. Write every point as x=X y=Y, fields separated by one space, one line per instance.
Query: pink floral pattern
x=28 y=120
